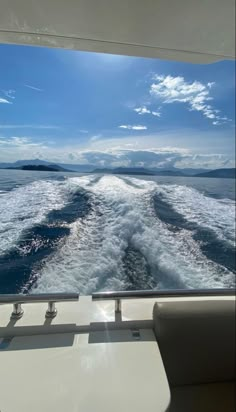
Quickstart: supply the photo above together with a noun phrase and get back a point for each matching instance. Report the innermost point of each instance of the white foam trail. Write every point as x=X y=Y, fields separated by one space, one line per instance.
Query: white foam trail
x=26 y=206
x=122 y=215
x=215 y=214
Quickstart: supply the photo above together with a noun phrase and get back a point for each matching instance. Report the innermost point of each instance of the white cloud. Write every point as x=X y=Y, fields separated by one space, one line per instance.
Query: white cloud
x=158 y=114
x=143 y=110
x=205 y=161
x=19 y=142
x=37 y=89
x=165 y=157
x=4 y=101
x=196 y=95
x=130 y=127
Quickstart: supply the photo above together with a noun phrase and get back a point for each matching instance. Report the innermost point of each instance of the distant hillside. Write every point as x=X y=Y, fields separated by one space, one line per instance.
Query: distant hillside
x=223 y=173
x=125 y=171
x=59 y=168
x=139 y=171
x=102 y=170
x=37 y=162
x=179 y=172
x=41 y=168
x=133 y=171
x=170 y=173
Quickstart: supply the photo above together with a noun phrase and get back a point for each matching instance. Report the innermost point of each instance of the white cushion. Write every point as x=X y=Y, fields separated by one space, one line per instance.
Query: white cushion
x=196 y=339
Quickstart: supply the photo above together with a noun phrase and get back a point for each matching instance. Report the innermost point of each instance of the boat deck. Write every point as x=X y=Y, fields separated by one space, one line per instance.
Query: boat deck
x=88 y=358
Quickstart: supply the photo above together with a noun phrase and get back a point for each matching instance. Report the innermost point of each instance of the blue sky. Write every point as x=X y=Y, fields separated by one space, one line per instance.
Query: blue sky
x=77 y=107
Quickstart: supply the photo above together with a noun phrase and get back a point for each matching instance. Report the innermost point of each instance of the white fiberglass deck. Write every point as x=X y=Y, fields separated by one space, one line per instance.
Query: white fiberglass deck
x=84 y=359
x=88 y=368
x=101 y=371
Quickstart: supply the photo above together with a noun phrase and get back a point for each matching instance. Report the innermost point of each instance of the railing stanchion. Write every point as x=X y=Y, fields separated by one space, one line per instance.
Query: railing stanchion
x=117 y=305
x=51 y=312
x=17 y=312
x=50 y=298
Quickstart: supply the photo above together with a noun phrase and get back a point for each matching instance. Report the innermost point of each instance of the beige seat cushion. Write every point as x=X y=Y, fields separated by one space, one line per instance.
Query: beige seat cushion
x=216 y=397
x=196 y=339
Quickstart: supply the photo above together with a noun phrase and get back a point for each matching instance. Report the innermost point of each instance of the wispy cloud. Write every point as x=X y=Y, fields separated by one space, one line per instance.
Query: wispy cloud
x=144 y=110
x=19 y=142
x=158 y=114
x=28 y=126
x=83 y=131
x=4 y=101
x=37 y=89
x=134 y=127
x=95 y=137
x=196 y=95
x=9 y=93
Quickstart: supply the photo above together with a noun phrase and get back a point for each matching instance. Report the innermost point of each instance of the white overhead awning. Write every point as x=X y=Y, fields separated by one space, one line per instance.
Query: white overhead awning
x=198 y=31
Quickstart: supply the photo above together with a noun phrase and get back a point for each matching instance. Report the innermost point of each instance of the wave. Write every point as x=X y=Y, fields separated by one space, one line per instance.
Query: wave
x=122 y=231
x=215 y=214
x=23 y=207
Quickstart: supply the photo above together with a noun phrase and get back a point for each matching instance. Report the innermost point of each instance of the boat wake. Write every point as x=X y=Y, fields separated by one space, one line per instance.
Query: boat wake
x=120 y=233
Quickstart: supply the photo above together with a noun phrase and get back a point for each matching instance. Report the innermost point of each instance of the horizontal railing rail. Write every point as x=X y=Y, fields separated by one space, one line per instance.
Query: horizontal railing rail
x=130 y=294
x=50 y=298
x=143 y=294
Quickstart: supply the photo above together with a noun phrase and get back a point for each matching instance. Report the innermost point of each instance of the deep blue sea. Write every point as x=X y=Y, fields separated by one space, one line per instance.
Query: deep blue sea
x=86 y=233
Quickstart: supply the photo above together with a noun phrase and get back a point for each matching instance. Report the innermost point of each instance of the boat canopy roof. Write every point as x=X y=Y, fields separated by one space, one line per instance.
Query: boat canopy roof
x=181 y=30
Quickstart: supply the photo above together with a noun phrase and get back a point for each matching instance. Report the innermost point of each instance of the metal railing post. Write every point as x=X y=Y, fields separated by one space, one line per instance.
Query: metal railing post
x=50 y=298
x=17 y=312
x=118 y=305
x=51 y=312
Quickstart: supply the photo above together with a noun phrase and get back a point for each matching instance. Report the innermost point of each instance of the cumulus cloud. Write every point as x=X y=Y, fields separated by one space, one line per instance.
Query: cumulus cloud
x=144 y=110
x=133 y=127
x=196 y=95
x=205 y=161
x=167 y=158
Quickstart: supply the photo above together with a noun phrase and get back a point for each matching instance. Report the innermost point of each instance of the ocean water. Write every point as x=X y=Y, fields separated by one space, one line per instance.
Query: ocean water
x=86 y=233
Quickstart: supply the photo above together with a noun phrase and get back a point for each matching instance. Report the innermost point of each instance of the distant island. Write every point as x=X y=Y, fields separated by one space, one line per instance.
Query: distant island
x=41 y=168
x=223 y=173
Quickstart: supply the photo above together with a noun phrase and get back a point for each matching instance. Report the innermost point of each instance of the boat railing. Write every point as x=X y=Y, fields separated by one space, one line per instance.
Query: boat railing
x=164 y=293
x=50 y=298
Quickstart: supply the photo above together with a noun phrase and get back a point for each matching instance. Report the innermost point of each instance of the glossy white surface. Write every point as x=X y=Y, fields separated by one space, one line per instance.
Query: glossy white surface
x=100 y=371
x=188 y=30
